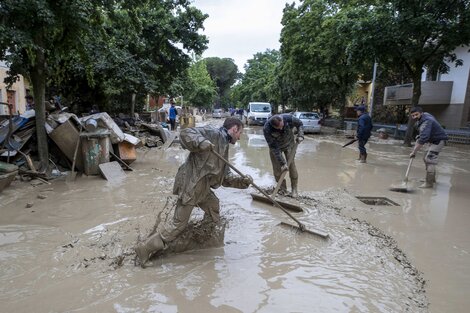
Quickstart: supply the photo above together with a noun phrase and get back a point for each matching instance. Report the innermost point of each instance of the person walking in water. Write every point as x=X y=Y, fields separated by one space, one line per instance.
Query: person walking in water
x=202 y=172
x=364 y=128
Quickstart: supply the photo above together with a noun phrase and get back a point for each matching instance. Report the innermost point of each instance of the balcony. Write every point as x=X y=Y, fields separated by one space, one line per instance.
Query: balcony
x=432 y=92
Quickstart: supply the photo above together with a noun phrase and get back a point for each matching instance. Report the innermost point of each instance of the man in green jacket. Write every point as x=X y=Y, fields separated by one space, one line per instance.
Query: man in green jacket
x=202 y=172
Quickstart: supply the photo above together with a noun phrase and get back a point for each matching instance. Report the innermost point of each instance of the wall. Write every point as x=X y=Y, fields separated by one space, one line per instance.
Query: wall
x=18 y=87
x=458 y=110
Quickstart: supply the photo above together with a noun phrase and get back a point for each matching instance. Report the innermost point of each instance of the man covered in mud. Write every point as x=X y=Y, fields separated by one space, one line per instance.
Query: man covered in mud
x=201 y=172
x=431 y=132
x=279 y=134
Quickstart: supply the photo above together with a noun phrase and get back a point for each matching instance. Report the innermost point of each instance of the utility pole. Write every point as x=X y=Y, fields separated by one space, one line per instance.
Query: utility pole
x=372 y=89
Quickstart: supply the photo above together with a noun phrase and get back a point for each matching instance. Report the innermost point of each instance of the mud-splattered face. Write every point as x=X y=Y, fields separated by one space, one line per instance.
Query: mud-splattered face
x=235 y=133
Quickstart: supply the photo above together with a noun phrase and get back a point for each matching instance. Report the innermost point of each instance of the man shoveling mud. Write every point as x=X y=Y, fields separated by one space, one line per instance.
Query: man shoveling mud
x=430 y=131
x=279 y=135
x=202 y=171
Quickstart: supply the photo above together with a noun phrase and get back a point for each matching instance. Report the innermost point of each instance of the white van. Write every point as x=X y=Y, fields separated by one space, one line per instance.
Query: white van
x=258 y=113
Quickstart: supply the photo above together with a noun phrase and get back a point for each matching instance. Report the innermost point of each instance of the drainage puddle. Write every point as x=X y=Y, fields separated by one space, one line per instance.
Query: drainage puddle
x=377 y=201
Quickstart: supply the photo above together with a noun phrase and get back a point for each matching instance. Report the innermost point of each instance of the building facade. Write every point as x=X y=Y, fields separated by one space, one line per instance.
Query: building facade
x=447 y=97
x=15 y=95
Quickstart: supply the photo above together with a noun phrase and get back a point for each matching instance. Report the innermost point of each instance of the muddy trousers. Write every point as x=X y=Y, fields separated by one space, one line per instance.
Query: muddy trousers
x=210 y=206
x=293 y=175
x=431 y=159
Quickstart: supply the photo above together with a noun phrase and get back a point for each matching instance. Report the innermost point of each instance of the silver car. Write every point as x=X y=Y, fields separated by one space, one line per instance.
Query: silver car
x=311 y=121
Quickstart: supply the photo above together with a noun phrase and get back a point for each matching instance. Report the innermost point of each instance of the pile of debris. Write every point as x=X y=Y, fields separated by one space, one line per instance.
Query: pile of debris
x=94 y=144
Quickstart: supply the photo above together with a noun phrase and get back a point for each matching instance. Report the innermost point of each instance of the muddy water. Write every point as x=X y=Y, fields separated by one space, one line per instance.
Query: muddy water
x=73 y=250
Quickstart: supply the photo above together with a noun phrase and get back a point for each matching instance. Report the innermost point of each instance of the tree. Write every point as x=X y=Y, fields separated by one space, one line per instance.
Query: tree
x=317 y=67
x=35 y=32
x=200 y=90
x=417 y=34
x=224 y=72
x=259 y=83
x=111 y=48
x=145 y=48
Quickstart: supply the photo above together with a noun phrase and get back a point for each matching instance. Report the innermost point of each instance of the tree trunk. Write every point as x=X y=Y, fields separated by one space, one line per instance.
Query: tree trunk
x=414 y=102
x=38 y=79
x=133 y=105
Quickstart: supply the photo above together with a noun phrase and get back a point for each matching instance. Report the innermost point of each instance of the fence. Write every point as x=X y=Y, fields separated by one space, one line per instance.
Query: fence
x=459 y=136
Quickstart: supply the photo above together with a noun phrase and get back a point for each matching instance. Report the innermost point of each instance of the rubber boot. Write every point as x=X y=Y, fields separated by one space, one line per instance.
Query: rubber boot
x=430 y=179
x=360 y=157
x=145 y=250
x=295 y=193
x=363 y=158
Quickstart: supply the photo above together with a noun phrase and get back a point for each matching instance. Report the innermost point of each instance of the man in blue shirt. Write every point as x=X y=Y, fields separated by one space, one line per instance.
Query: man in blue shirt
x=430 y=131
x=172 y=115
x=364 y=127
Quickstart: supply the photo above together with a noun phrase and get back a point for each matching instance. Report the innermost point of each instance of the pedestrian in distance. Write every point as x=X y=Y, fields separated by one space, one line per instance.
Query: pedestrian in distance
x=202 y=171
x=432 y=133
x=364 y=128
x=279 y=134
x=172 y=115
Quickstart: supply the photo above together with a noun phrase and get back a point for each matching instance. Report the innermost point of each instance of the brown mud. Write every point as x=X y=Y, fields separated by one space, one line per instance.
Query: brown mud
x=73 y=250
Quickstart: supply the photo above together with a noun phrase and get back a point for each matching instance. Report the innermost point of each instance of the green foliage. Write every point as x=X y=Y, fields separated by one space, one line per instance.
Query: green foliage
x=224 y=72
x=120 y=48
x=259 y=83
x=317 y=67
x=414 y=34
x=200 y=90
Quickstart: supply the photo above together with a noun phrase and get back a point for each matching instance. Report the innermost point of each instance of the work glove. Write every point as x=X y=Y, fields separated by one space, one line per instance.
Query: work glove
x=206 y=145
x=248 y=180
x=284 y=168
x=299 y=139
x=412 y=154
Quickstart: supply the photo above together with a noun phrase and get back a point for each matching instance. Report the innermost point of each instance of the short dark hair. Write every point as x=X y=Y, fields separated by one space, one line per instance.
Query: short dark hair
x=416 y=109
x=232 y=121
x=275 y=120
x=29 y=97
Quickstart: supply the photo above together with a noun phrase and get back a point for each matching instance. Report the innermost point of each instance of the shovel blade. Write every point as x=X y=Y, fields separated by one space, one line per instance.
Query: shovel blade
x=320 y=233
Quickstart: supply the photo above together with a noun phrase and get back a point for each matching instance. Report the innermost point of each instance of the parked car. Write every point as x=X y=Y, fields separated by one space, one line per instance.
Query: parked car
x=217 y=113
x=311 y=121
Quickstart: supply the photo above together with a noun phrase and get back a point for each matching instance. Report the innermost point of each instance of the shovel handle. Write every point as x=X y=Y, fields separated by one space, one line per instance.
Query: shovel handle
x=408 y=169
x=301 y=226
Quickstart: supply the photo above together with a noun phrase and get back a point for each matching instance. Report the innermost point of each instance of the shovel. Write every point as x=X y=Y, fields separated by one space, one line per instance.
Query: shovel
x=404 y=186
x=300 y=226
x=72 y=175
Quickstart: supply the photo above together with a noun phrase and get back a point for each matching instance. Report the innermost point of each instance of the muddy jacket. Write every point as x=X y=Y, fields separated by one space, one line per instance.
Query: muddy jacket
x=203 y=170
x=364 y=126
x=281 y=139
x=430 y=130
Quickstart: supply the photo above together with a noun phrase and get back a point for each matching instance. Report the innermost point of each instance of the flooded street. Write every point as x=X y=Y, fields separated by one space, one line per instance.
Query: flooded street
x=73 y=250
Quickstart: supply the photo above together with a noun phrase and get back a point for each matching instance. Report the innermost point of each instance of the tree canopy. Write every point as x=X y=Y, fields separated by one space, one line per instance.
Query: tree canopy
x=109 y=49
x=224 y=72
x=259 y=83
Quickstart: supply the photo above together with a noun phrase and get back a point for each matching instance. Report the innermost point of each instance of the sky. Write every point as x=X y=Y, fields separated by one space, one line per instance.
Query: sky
x=238 y=29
